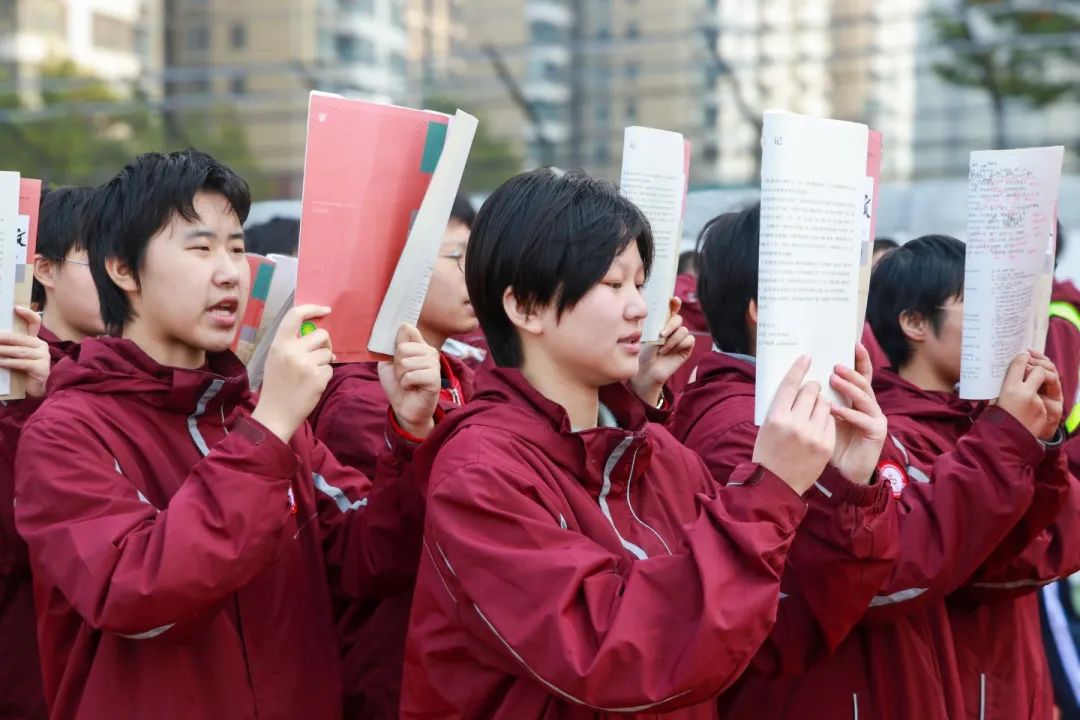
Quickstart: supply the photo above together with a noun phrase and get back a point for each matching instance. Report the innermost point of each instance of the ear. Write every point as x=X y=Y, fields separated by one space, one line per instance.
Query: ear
x=914 y=325
x=751 y=314
x=121 y=275
x=524 y=320
x=45 y=271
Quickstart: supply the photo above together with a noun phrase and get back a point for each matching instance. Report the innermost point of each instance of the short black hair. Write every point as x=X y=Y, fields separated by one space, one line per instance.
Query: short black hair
x=278 y=236
x=127 y=211
x=551 y=238
x=61 y=228
x=727 y=276
x=463 y=211
x=918 y=277
x=688 y=262
x=884 y=243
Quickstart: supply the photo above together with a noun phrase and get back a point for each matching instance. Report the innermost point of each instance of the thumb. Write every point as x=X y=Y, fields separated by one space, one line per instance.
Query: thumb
x=674 y=306
x=408 y=333
x=31 y=318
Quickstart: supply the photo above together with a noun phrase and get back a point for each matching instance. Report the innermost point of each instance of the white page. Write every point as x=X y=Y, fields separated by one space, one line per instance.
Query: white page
x=9 y=258
x=654 y=179
x=282 y=286
x=813 y=175
x=408 y=288
x=1012 y=201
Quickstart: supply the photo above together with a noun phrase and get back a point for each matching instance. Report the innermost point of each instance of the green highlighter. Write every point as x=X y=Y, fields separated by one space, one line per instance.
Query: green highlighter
x=307 y=328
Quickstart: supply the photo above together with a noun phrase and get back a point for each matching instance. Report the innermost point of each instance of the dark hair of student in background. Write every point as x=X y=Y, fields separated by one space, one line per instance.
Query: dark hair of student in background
x=277 y=236
x=61 y=228
x=130 y=209
x=688 y=262
x=918 y=277
x=1059 y=249
x=463 y=211
x=551 y=238
x=727 y=276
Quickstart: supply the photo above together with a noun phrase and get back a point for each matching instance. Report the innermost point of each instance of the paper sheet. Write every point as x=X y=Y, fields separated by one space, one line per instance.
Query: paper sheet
x=1012 y=201
x=869 y=224
x=654 y=177
x=10 y=227
x=405 y=297
x=813 y=180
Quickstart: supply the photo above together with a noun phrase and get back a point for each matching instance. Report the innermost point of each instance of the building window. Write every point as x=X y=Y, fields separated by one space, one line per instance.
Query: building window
x=603 y=154
x=711 y=116
x=110 y=33
x=633 y=70
x=365 y=6
x=238 y=85
x=399 y=64
x=198 y=38
x=545 y=32
x=238 y=36
x=632 y=31
x=603 y=113
x=631 y=111
x=349 y=48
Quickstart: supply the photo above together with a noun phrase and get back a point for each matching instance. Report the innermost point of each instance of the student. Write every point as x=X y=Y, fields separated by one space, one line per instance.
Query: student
x=279 y=236
x=179 y=532
x=65 y=290
x=1061 y=612
x=845 y=547
x=349 y=420
x=916 y=310
x=882 y=247
x=577 y=559
x=469 y=347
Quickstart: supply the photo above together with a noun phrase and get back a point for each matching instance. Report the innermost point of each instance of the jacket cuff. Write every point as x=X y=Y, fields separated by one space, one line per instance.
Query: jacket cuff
x=660 y=414
x=1009 y=435
x=835 y=489
x=774 y=496
x=274 y=457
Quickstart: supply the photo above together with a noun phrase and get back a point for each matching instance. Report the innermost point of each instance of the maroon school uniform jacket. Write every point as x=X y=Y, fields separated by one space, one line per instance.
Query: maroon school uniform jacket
x=994 y=617
x=350 y=421
x=1063 y=347
x=585 y=574
x=842 y=553
x=21 y=695
x=878 y=359
x=180 y=550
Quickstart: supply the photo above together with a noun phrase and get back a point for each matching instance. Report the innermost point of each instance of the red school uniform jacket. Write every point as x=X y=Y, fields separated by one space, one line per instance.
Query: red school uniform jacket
x=350 y=420
x=994 y=617
x=1063 y=342
x=180 y=550
x=585 y=574
x=21 y=695
x=842 y=553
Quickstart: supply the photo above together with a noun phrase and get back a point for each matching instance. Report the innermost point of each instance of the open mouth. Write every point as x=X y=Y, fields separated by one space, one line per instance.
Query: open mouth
x=225 y=309
x=634 y=339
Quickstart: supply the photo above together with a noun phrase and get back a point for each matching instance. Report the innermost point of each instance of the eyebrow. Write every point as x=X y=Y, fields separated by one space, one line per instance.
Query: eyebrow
x=202 y=233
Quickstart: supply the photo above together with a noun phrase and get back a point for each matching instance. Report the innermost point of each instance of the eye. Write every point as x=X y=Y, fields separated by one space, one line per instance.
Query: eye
x=238 y=251
x=640 y=286
x=614 y=285
x=201 y=248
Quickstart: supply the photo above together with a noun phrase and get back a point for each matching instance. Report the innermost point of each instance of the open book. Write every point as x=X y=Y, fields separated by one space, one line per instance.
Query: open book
x=1009 y=261
x=262 y=272
x=813 y=198
x=367 y=172
x=20 y=200
x=280 y=294
x=655 y=176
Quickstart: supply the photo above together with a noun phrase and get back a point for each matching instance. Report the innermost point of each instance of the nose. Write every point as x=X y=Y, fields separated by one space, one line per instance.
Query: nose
x=229 y=268
x=636 y=308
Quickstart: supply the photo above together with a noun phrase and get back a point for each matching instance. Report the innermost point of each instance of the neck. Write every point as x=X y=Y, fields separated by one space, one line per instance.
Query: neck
x=59 y=327
x=434 y=338
x=582 y=403
x=923 y=375
x=164 y=352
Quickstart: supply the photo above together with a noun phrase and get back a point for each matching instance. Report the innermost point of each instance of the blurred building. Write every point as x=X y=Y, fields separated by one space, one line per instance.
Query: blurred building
x=436 y=32
x=116 y=40
x=256 y=61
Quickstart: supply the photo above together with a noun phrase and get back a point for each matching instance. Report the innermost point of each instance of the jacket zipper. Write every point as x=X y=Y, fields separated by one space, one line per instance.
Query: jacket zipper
x=982 y=696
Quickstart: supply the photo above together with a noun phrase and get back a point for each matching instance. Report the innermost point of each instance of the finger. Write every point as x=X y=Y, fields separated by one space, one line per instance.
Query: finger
x=1051 y=388
x=805 y=400
x=674 y=341
x=322 y=356
x=414 y=349
x=821 y=411
x=31 y=318
x=674 y=323
x=21 y=351
x=1035 y=354
x=854 y=377
x=674 y=306
x=316 y=340
x=860 y=420
x=1035 y=379
x=27 y=365
x=416 y=362
x=863 y=364
x=20 y=340
x=295 y=319
x=419 y=379
x=859 y=398
x=1043 y=362
x=407 y=334
x=1015 y=373
x=790 y=384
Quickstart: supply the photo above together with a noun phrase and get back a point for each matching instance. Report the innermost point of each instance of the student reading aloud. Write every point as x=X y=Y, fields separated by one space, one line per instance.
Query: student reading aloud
x=990 y=639
x=350 y=420
x=179 y=531
x=577 y=560
x=844 y=549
